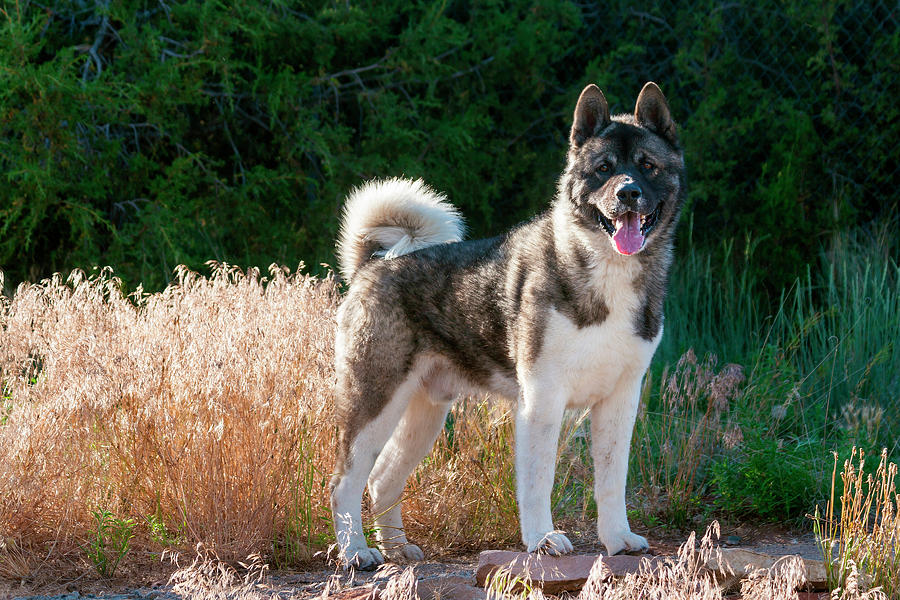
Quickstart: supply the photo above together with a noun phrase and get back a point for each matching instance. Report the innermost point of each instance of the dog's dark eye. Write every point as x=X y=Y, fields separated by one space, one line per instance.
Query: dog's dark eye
x=603 y=168
x=647 y=165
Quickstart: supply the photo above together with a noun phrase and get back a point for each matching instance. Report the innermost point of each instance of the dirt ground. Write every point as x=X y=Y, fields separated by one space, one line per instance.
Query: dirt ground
x=147 y=578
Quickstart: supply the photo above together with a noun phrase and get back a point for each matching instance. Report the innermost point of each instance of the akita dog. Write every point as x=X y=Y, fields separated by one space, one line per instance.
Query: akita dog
x=563 y=311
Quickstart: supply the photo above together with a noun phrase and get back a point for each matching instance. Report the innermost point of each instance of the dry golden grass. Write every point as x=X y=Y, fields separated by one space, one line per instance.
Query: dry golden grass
x=204 y=413
x=205 y=408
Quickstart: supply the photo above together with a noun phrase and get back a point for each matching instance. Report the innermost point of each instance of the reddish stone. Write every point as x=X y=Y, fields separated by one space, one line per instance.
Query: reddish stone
x=741 y=562
x=553 y=574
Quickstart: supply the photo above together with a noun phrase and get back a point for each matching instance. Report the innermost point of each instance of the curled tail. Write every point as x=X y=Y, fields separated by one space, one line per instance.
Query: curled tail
x=392 y=217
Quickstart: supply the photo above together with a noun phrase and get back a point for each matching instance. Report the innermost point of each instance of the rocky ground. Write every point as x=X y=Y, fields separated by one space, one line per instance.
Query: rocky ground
x=451 y=578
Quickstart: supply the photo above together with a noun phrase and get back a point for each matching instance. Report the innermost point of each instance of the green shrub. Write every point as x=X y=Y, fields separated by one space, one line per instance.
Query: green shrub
x=145 y=137
x=768 y=478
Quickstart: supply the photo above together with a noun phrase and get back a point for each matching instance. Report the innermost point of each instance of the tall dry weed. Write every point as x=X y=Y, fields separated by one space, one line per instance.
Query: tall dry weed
x=779 y=582
x=210 y=578
x=675 y=443
x=469 y=480
x=691 y=576
x=859 y=534
x=205 y=406
x=683 y=577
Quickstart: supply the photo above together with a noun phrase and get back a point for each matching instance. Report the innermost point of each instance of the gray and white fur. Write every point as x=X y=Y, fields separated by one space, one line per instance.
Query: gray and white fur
x=563 y=311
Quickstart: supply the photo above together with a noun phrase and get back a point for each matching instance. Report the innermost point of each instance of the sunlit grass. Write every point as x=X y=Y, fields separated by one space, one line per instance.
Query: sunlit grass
x=859 y=531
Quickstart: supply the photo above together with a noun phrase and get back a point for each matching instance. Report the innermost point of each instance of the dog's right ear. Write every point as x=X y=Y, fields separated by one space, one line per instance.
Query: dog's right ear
x=591 y=115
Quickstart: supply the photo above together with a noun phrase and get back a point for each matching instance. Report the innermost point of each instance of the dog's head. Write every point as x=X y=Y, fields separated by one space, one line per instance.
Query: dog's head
x=625 y=174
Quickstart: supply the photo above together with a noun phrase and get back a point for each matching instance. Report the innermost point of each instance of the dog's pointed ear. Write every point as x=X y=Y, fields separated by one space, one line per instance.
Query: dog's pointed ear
x=652 y=111
x=591 y=115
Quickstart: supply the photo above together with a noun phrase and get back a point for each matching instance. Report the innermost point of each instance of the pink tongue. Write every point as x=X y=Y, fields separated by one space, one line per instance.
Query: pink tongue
x=628 y=236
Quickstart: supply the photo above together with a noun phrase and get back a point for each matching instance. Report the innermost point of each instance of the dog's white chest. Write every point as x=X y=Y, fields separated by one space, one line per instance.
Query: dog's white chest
x=591 y=362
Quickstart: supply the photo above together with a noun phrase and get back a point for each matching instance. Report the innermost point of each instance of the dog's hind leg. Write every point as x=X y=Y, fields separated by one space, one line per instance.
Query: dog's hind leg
x=363 y=447
x=410 y=443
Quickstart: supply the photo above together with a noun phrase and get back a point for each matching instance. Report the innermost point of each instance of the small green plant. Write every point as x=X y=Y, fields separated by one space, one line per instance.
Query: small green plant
x=6 y=405
x=111 y=541
x=159 y=533
x=644 y=518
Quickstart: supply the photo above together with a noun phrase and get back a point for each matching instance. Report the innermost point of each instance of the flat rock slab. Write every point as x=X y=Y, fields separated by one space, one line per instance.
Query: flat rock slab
x=743 y=562
x=553 y=574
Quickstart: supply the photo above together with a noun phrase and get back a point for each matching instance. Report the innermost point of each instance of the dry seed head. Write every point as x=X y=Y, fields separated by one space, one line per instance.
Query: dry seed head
x=673 y=394
x=858 y=415
x=733 y=437
x=400 y=584
x=779 y=411
x=779 y=582
x=725 y=384
x=687 y=359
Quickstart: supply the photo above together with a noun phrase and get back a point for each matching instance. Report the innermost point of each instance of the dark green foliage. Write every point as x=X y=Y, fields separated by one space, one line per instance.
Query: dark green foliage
x=768 y=479
x=146 y=134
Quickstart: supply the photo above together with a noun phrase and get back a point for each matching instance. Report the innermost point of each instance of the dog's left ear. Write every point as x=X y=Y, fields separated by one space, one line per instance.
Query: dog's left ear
x=652 y=111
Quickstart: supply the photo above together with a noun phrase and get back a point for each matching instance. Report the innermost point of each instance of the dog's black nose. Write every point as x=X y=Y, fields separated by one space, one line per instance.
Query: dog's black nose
x=629 y=193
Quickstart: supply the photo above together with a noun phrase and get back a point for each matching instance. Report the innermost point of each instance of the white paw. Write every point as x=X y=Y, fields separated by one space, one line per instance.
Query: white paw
x=553 y=543
x=624 y=541
x=405 y=553
x=362 y=558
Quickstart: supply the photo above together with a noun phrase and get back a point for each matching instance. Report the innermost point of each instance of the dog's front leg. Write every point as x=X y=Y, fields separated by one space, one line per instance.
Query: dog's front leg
x=538 y=420
x=612 y=421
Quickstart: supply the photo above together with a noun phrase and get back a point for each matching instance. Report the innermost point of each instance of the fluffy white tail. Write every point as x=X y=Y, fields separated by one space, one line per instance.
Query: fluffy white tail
x=392 y=217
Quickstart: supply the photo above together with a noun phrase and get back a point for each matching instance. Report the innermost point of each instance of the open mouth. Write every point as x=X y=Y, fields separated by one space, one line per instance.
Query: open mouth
x=630 y=230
